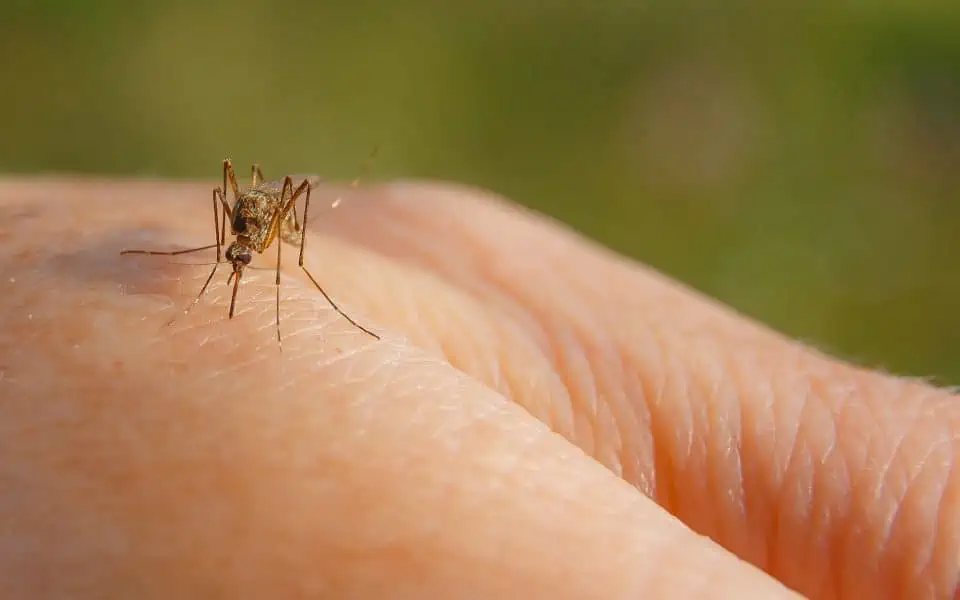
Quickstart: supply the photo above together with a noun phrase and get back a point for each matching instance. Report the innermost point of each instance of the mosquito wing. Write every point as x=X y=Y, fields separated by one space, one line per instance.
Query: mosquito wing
x=276 y=185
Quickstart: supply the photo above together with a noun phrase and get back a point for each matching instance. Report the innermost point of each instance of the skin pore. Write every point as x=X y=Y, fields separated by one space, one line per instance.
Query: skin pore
x=542 y=418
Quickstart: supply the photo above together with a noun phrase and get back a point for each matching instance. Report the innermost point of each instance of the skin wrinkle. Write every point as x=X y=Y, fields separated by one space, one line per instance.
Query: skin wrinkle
x=841 y=507
x=891 y=467
x=908 y=475
x=848 y=542
x=943 y=545
x=760 y=435
x=573 y=364
x=678 y=439
x=889 y=550
x=541 y=400
x=695 y=512
x=702 y=459
x=564 y=425
x=468 y=353
x=408 y=306
x=830 y=468
x=822 y=473
x=506 y=342
x=388 y=226
x=724 y=469
x=882 y=506
x=926 y=486
x=500 y=382
x=804 y=503
x=607 y=428
x=817 y=414
x=499 y=350
x=418 y=238
x=616 y=416
x=619 y=426
x=734 y=487
x=879 y=505
x=410 y=314
x=583 y=418
x=446 y=226
x=636 y=448
x=796 y=444
x=662 y=463
x=420 y=243
x=589 y=391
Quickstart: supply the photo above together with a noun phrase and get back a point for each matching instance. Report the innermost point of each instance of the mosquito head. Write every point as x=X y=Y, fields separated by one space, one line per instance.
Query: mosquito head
x=239 y=256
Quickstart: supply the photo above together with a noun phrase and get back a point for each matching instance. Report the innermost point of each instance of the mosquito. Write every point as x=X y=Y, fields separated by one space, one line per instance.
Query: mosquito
x=260 y=214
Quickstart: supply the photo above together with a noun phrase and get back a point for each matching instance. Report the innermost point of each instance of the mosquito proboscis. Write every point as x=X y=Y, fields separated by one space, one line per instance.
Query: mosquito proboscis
x=260 y=214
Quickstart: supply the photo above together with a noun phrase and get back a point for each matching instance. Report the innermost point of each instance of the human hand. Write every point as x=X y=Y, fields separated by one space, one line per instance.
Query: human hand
x=452 y=459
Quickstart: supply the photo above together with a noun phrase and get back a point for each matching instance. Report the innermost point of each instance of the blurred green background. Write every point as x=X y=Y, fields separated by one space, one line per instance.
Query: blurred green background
x=799 y=163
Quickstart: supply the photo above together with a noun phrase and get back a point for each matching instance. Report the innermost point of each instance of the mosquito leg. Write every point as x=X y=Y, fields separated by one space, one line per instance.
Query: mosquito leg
x=291 y=205
x=293 y=211
x=303 y=237
x=337 y=308
x=225 y=214
x=277 y=285
x=169 y=253
x=256 y=175
x=218 y=235
x=216 y=223
x=290 y=230
x=287 y=185
x=303 y=240
x=289 y=225
x=228 y=174
x=200 y=295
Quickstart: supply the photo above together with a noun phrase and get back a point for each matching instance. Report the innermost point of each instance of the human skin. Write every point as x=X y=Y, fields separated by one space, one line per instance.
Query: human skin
x=542 y=418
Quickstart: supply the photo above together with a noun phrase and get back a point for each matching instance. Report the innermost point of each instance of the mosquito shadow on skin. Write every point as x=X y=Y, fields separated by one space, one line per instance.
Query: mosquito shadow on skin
x=101 y=262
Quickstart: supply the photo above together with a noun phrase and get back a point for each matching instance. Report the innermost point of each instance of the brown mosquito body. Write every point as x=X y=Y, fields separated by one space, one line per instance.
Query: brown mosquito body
x=267 y=210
